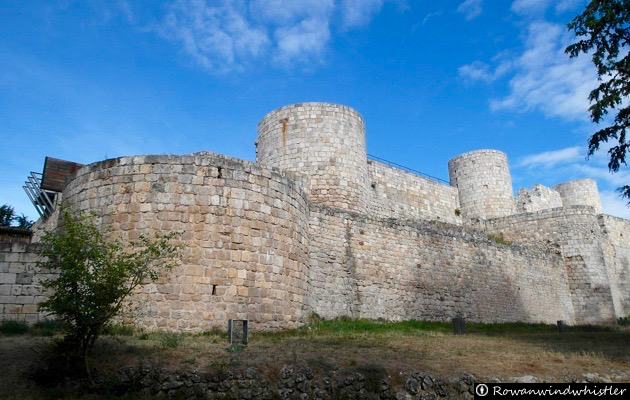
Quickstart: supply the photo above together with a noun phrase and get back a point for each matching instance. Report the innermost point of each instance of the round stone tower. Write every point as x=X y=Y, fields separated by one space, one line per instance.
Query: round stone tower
x=324 y=144
x=484 y=183
x=580 y=192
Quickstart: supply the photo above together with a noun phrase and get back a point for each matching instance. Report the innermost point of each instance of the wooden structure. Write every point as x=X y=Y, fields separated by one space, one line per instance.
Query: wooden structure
x=56 y=172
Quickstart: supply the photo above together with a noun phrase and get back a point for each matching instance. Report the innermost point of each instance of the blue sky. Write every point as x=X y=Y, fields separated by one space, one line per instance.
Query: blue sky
x=88 y=80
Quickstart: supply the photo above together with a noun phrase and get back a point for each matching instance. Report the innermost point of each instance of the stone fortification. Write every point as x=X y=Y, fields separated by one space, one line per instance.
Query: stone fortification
x=576 y=231
x=21 y=281
x=314 y=227
x=245 y=230
x=580 y=192
x=617 y=258
x=324 y=144
x=382 y=268
x=395 y=193
x=484 y=183
x=537 y=199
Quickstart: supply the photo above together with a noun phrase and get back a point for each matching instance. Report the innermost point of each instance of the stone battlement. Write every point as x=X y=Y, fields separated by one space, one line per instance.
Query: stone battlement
x=313 y=226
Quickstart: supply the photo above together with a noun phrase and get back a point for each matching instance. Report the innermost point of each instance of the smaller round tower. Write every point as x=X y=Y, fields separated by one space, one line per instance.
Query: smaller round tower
x=322 y=143
x=580 y=192
x=484 y=183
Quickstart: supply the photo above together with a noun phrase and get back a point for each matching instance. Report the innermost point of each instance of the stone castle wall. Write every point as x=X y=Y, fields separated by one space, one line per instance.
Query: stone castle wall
x=576 y=232
x=395 y=193
x=484 y=183
x=314 y=226
x=580 y=192
x=381 y=268
x=245 y=230
x=324 y=144
x=617 y=257
x=21 y=282
x=537 y=199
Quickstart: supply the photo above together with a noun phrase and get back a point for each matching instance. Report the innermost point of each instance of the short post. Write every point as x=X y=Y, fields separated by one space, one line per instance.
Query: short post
x=561 y=326
x=459 y=326
x=238 y=331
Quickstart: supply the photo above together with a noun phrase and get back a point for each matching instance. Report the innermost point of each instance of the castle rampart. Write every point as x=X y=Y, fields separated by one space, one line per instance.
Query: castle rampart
x=313 y=226
x=395 y=193
x=245 y=230
x=484 y=183
x=322 y=143
x=383 y=268
x=537 y=199
x=576 y=231
x=580 y=192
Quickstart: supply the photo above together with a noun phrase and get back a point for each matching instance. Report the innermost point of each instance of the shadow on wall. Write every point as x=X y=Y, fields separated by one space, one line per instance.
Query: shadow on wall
x=433 y=272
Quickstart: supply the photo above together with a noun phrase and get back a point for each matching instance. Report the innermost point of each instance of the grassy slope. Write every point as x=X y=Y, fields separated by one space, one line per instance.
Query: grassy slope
x=488 y=350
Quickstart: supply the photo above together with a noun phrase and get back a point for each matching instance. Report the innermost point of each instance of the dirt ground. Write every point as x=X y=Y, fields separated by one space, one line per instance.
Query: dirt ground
x=551 y=356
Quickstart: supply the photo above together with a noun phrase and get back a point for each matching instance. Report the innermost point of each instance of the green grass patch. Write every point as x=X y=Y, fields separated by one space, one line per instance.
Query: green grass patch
x=119 y=330
x=350 y=327
x=169 y=340
x=46 y=328
x=13 y=328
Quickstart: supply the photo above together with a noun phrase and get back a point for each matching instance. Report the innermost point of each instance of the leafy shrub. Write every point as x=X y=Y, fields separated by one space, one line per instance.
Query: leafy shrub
x=170 y=340
x=95 y=276
x=47 y=328
x=13 y=328
x=118 y=330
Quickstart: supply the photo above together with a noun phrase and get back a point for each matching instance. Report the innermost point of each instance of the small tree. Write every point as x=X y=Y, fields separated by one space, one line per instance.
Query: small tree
x=23 y=222
x=95 y=276
x=7 y=214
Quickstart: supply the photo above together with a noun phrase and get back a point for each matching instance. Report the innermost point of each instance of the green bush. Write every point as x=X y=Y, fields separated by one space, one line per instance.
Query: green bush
x=170 y=340
x=47 y=328
x=119 y=330
x=95 y=275
x=13 y=328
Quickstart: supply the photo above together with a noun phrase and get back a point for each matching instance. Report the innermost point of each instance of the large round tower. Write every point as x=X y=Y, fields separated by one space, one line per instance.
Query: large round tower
x=322 y=143
x=484 y=183
x=580 y=192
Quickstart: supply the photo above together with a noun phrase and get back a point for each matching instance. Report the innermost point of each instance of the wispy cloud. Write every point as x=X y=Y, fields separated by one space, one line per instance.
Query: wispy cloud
x=536 y=7
x=480 y=71
x=471 y=9
x=356 y=13
x=226 y=36
x=550 y=159
x=613 y=204
x=546 y=79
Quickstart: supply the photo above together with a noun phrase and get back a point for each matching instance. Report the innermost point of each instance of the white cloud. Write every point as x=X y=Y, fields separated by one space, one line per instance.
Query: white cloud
x=219 y=37
x=549 y=159
x=613 y=204
x=356 y=13
x=232 y=35
x=546 y=79
x=601 y=172
x=471 y=8
x=536 y=7
x=480 y=71
x=304 y=40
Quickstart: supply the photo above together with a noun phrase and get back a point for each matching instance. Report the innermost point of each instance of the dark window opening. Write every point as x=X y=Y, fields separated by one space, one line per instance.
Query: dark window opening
x=214 y=290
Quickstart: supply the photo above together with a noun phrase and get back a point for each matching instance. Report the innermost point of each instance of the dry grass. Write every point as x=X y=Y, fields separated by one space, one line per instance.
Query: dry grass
x=502 y=352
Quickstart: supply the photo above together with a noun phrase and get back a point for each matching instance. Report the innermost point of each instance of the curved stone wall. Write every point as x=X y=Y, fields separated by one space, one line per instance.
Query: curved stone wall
x=322 y=143
x=245 y=231
x=484 y=183
x=580 y=192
